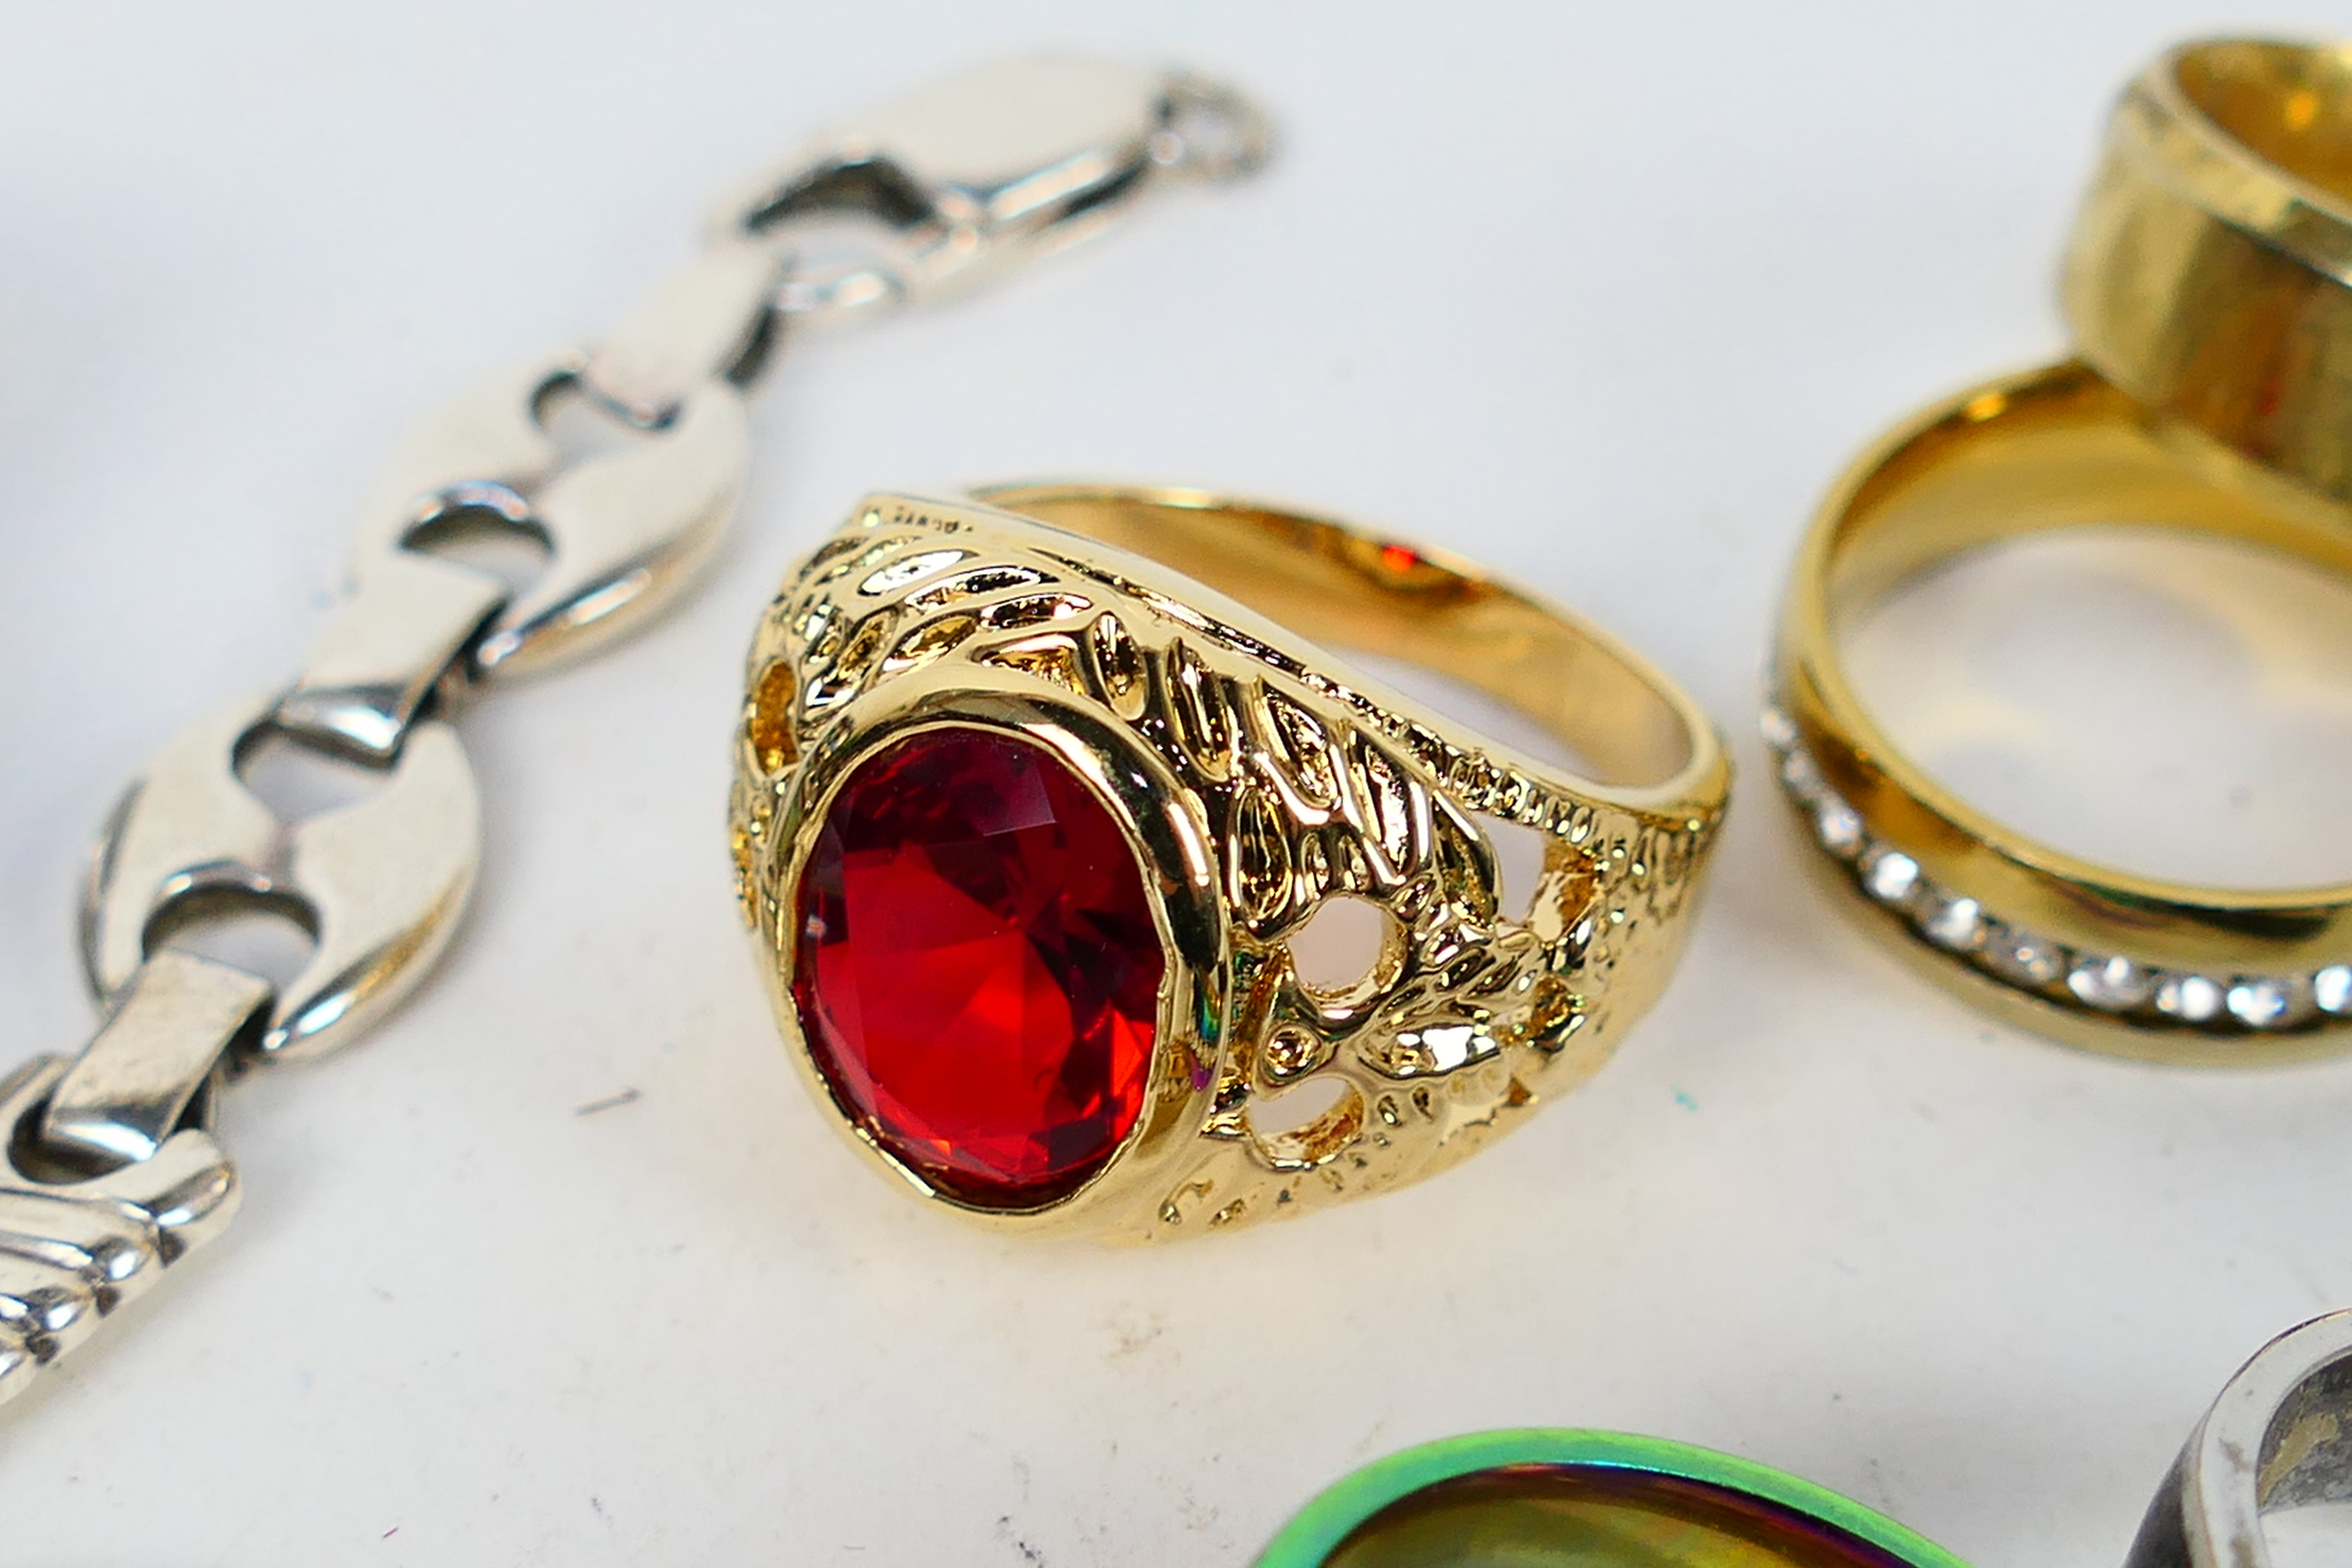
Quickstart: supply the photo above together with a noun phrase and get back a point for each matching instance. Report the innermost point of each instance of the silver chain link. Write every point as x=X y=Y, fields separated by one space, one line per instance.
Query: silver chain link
x=108 y=1169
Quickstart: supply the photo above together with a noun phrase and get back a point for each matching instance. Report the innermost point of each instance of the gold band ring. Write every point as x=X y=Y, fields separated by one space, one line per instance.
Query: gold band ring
x=1028 y=812
x=2211 y=272
x=2095 y=956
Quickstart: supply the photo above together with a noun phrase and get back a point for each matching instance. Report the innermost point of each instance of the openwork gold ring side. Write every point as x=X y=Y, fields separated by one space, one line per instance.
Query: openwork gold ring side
x=2210 y=275
x=2087 y=954
x=1153 y=643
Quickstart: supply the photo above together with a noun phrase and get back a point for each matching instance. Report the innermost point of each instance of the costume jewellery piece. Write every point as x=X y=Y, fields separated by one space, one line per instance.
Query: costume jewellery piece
x=2211 y=272
x=1593 y=1500
x=2279 y=1440
x=2084 y=952
x=109 y=1171
x=1035 y=792
x=2224 y=349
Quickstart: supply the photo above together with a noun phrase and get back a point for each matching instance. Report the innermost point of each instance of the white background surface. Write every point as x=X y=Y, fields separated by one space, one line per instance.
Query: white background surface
x=1603 y=297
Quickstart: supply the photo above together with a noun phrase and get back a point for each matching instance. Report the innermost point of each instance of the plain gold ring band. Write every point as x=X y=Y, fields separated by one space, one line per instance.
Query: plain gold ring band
x=2210 y=275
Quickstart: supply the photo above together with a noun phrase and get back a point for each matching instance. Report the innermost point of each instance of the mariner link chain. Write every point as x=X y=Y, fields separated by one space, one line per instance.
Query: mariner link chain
x=110 y=1170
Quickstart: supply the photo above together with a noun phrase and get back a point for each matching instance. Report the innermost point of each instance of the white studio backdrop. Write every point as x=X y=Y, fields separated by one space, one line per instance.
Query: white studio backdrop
x=1601 y=297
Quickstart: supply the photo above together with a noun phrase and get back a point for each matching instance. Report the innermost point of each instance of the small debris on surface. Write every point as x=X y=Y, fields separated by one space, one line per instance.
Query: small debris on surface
x=610 y=1102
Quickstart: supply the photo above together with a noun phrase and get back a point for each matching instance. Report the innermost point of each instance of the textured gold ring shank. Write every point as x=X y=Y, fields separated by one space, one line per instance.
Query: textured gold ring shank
x=1171 y=648
x=2210 y=275
x=1345 y=589
x=2089 y=954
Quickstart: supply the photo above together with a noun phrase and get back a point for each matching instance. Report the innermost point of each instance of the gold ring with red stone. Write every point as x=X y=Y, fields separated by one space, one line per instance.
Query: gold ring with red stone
x=1037 y=792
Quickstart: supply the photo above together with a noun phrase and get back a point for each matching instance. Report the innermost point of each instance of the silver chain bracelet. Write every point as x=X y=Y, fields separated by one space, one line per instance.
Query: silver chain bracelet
x=111 y=1170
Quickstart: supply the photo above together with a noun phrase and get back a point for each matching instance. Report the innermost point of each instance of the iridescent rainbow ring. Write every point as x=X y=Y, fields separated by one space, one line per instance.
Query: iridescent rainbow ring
x=1544 y=1496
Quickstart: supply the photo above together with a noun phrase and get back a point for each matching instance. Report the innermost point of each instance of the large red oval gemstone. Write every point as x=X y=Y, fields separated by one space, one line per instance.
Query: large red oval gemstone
x=977 y=970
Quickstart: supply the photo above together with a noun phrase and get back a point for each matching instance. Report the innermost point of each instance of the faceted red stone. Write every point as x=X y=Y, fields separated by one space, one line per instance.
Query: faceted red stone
x=977 y=968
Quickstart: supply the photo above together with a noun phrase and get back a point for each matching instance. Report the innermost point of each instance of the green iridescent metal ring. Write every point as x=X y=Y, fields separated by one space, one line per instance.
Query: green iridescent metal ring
x=1551 y=1497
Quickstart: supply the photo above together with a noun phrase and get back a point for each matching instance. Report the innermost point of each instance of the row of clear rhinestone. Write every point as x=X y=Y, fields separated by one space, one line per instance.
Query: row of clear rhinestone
x=2104 y=983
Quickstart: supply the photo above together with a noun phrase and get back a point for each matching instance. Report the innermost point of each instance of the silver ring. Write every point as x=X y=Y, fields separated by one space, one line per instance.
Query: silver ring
x=2278 y=1439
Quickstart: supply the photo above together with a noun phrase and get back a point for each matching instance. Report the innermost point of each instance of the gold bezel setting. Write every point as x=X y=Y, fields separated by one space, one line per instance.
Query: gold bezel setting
x=1187 y=917
x=1255 y=780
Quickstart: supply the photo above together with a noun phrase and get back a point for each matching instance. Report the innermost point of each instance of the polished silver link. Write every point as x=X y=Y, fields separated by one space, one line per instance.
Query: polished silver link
x=623 y=532
x=411 y=619
x=707 y=323
x=998 y=165
x=163 y=1047
x=71 y=1251
x=476 y=456
x=378 y=883
x=628 y=533
x=947 y=186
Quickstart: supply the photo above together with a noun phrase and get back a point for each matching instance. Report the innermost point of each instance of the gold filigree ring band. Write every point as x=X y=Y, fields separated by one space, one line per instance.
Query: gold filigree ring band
x=1035 y=790
x=2087 y=954
x=2211 y=272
